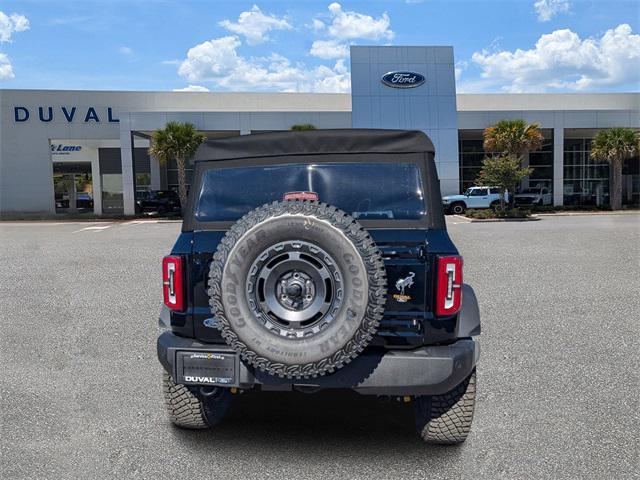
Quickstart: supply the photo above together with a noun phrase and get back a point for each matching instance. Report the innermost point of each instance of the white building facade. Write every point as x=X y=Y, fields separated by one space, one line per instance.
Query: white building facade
x=70 y=151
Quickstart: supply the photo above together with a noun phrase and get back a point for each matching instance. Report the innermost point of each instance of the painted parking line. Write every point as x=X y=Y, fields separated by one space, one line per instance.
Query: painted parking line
x=94 y=228
x=133 y=223
x=457 y=219
x=37 y=223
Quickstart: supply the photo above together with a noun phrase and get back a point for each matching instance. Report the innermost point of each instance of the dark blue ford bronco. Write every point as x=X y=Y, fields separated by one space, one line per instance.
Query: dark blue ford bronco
x=317 y=260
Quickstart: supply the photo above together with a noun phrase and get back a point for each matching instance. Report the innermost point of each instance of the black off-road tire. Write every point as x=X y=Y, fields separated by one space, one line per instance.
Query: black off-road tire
x=458 y=208
x=446 y=419
x=187 y=410
x=356 y=256
x=495 y=205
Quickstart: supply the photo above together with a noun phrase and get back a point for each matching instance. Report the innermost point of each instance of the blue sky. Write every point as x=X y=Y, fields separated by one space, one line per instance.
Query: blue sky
x=500 y=46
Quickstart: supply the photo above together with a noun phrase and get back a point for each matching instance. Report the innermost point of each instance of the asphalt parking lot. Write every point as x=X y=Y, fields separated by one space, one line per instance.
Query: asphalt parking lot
x=558 y=377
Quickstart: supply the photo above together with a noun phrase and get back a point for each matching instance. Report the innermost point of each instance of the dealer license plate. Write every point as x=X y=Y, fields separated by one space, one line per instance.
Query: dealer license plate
x=206 y=368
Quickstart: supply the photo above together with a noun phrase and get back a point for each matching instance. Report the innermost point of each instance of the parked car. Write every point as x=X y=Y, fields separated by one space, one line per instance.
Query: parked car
x=158 y=201
x=306 y=262
x=62 y=201
x=83 y=201
x=473 y=197
x=534 y=196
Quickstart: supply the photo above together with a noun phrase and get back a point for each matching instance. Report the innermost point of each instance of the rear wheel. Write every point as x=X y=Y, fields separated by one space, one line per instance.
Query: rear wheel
x=187 y=410
x=458 y=208
x=495 y=205
x=446 y=419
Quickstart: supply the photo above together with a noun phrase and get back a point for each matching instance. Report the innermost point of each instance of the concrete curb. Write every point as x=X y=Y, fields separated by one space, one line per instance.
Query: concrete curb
x=494 y=220
x=571 y=214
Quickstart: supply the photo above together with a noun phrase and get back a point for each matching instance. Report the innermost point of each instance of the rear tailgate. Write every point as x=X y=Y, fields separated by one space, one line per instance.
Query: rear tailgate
x=409 y=255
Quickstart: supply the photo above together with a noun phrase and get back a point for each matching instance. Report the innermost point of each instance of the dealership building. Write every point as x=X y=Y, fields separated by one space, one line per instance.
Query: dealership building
x=67 y=151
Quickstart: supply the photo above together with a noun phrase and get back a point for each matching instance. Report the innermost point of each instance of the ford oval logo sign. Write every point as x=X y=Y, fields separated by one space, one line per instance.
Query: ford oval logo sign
x=403 y=79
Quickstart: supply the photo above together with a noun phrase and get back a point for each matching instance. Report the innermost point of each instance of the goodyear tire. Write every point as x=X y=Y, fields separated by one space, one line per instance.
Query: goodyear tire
x=298 y=288
x=187 y=410
x=446 y=419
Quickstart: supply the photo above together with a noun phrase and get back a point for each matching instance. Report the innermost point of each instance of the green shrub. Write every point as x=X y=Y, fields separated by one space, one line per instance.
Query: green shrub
x=498 y=213
x=482 y=214
x=302 y=127
x=514 y=213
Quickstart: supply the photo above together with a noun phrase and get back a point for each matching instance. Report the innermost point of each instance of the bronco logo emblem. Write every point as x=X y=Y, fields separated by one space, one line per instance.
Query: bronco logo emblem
x=401 y=285
x=405 y=282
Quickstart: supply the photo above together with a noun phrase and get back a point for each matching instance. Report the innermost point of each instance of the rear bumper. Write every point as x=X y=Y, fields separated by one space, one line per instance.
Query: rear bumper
x=423 y=371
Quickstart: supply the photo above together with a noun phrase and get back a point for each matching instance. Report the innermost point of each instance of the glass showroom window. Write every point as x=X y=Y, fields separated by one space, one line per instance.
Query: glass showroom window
x=172 y=175
x=471 y=156
x=631 y=182
x=472 y=153
x=586 y=181
x=542 y=163
x=142 y=169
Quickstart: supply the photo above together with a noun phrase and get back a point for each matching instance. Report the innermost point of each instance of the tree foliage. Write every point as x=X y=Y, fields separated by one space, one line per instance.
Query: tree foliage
x=177 y=141
x=303 y=126
x=513 y=138
x=614 y=146
x=503 y=172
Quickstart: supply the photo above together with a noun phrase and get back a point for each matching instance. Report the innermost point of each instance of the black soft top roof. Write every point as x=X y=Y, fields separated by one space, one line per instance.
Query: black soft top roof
x=276 y=144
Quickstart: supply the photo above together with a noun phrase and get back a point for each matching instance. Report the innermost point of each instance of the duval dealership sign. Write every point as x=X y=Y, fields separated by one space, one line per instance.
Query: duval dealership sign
x=68 y=114
x=403 y=79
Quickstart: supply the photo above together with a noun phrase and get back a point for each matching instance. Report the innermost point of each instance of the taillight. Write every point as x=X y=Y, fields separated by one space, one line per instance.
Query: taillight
x=172 y=283
x=449 y=285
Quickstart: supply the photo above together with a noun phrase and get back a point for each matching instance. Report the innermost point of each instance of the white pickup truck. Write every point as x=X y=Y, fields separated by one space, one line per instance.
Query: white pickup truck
x=534 y=196
x=474 y=197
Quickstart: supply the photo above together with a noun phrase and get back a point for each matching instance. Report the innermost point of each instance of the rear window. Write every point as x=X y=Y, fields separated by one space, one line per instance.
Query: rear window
x=368 y=191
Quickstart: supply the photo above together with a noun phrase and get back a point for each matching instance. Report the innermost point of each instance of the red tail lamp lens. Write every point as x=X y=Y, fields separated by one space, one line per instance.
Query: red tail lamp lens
x=449 y=285
x=172 y=282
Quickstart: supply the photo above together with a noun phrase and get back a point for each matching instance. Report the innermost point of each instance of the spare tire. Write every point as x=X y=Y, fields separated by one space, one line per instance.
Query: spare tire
x=298 y=288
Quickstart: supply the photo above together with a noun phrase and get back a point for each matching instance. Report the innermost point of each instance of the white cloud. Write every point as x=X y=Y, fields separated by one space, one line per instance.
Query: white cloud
x=317 y=25
x=329 y=49
x=547 y=9
x=561 y=60
x=218 y=61
x=6 y=70
x=192 y=88
x=345 y=26
x=211 y=59
x=254 y=25
x=125 y=51
x=10 y=24
x=353 y=25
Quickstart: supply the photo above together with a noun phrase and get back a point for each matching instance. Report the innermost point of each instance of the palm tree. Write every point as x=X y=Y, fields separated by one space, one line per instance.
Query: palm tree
x=177 y=141
x=614 y=146
x=514 y=139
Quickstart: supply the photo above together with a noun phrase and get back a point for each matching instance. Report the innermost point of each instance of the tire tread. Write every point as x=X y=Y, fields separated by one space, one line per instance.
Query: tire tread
x=446 y=419
x=186 y=410
x=375 y=271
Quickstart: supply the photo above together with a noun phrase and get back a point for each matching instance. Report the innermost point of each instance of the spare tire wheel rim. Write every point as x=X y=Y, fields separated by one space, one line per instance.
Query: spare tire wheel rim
x=298 y=288
x=294 y=288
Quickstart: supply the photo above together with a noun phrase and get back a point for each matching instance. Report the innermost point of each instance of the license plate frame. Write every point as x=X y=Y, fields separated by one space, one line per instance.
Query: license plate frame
x=206 y=368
